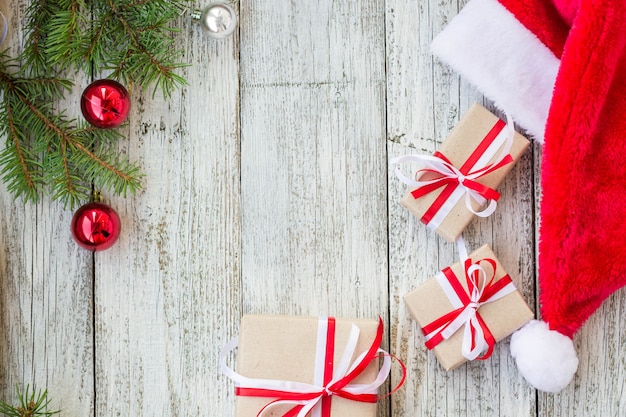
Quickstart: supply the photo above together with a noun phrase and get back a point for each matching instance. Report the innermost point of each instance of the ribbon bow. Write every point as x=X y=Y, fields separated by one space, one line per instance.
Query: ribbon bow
x=461 y=181
x=478 y=342
x=316 y=398
x=447 y=174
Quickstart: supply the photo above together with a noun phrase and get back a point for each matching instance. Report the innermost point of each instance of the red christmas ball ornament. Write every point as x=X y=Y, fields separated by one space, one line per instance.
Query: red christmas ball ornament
x=95 y=226
x=105 y=104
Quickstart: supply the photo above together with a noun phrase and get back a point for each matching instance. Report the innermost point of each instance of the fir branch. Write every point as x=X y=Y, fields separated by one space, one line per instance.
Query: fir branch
x=46 y=148
x=45 y=151
x=105 y=167
x=21 y=170
x=131 y=39
x=31 y=404
x=38 y=14
x=149 y=56
x=65 y=37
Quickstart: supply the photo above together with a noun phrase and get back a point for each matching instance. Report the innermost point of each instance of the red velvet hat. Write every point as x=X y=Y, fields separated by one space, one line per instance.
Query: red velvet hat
x=559 y=69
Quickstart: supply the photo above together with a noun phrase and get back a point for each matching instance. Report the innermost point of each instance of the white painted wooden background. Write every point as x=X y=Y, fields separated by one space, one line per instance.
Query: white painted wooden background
x=268 y=191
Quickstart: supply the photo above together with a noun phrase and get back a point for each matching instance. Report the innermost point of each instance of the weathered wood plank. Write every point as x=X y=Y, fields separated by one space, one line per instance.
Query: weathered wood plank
x=268 y=191
x=46 y=280
x=167 y=295
x=313 y=159
x=422 y=108
x=45 y=306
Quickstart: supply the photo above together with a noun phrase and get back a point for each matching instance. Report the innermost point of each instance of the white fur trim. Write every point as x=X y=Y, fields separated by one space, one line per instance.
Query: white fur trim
x=546 y=358
x=503 y=59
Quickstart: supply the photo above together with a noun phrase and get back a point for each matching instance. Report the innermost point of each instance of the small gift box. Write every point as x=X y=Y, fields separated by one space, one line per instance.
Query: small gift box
x=467 y=308
x=296 y=366
x=460 y=178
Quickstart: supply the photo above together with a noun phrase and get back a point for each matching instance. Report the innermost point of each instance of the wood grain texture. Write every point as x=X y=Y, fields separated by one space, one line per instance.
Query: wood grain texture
x=168 y=295
x=46 y=309
x=313 y=158
x=422 y=112
x=268 y=190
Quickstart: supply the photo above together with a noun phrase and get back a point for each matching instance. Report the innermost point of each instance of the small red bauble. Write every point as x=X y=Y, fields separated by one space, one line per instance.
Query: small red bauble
x=95 y=226
x=105 y=104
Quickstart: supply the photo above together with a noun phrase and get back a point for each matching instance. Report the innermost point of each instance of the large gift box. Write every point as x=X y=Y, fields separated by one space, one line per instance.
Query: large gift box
x=474 y=147
x=298 y=355
x=467 y=308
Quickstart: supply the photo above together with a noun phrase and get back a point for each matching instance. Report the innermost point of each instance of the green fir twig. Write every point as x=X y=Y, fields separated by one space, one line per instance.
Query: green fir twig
x=31 y=404
x=47 y=147
x=132 y=39
x=47 y=151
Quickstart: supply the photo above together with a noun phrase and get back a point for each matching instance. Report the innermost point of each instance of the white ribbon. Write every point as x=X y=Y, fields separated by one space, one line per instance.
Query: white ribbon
x=503 y=141
x=342 y=369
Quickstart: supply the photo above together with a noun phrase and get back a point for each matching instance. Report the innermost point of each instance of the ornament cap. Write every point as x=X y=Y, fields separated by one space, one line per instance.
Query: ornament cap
x=96 y=196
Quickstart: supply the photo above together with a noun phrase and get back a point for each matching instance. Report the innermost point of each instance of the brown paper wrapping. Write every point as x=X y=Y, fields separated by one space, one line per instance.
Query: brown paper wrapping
x=428 y=302
x=283 y=347
x=461 y=142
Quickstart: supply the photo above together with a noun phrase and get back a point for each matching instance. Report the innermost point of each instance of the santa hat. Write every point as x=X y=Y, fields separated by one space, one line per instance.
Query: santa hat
x=559 y=69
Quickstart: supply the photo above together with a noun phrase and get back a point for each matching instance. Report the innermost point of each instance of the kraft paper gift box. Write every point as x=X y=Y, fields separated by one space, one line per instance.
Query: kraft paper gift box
x=428 y=302
x=460 y=145
x=284 y=348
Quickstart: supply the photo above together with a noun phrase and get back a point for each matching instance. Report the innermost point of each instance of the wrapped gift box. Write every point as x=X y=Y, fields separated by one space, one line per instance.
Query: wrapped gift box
x=284 y=348
x=461 y=145
x=429 y=302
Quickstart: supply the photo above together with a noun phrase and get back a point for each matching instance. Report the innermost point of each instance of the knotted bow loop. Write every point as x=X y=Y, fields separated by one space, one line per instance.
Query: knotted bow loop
x=303 y=397
x=482 y=288
x=478 y=279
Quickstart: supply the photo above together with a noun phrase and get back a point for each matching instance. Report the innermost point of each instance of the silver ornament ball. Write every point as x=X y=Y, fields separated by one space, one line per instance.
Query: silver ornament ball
x=218 y=20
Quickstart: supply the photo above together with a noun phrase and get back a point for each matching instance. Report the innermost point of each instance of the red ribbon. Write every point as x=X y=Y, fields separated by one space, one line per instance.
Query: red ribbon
x=329 y=390
x=450 y=184
x=436 y=328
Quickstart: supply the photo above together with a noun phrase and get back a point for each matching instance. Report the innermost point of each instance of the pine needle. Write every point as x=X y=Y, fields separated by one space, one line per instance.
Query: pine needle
x=31 y=404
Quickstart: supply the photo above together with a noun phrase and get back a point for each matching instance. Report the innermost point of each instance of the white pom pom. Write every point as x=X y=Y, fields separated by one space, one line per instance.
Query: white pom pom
x=546 y=358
